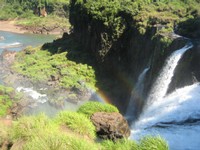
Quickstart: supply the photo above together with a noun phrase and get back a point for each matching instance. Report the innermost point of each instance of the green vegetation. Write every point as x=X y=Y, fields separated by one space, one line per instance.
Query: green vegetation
x=37 y=14
x=91 y=107
x=111 y=20
x=59 y=141
x=27 y=128
x=153 y=143
x=76 y=122
x=123 y=144
x=41 y=65
x=51 y=21
x=11 y=9
x=41 y=133
x=115 y=14
x=6 y=96
x=3 y=134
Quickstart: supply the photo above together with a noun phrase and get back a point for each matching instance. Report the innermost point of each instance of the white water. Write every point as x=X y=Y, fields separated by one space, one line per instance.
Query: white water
x=176 y=118
x=138 y=90
x=40 y=102
x=11 y=45
x=161 y=85
x=38 y=97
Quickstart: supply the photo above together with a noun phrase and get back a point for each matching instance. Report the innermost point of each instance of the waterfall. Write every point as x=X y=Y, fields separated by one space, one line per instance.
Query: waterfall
x=160 y=87
x=136 y=95
x=175 y=117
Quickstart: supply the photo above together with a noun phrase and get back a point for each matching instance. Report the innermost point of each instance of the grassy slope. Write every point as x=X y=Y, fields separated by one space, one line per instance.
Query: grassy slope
x=68 y=73
x=68 y=130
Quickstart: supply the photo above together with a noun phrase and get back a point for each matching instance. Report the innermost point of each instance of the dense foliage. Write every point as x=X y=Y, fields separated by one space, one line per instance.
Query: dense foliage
x=115 y=14
x=69 y=74
x=76 y=122
x=30 y=13
x=69 y=130
x=24 y=8
x=8 y=97
x=106 y=21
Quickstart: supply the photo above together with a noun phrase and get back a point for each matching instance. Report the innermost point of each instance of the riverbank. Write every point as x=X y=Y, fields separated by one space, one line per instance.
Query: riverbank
x=10 y=26
x=20 y=26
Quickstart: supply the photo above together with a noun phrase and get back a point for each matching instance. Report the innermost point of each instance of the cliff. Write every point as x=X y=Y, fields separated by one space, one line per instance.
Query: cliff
x=126 y=37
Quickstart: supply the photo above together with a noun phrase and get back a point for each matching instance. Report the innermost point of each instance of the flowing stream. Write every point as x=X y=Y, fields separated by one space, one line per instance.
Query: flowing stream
x=176 y=116
x=161 y=85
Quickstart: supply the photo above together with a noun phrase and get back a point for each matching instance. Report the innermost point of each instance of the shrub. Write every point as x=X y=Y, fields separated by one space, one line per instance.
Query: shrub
x=123 y=144
x=76 y=122
x=91 y=107
x=59 y=141
x=153 y=143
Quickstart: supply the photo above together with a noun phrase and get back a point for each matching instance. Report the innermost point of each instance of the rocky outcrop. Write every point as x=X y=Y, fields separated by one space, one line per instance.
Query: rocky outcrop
x=120 y=59
x=110 y=125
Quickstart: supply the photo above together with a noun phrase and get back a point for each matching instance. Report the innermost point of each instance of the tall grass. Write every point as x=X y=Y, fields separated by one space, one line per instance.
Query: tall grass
x=122 y=144
x=76 y=122
x=153 y=143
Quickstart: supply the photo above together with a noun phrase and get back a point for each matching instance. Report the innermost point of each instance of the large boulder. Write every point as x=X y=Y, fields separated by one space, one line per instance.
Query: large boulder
x=110 y=125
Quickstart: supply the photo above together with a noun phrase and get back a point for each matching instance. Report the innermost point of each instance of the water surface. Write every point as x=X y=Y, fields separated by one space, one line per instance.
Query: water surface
x=16 y=42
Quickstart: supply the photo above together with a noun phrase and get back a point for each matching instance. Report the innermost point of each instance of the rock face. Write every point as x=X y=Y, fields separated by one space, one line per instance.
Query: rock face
x=187 y=72
x=121 y=60
x=110 y=125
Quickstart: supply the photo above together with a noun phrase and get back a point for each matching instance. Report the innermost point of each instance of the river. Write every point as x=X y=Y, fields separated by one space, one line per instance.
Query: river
x=16 y=42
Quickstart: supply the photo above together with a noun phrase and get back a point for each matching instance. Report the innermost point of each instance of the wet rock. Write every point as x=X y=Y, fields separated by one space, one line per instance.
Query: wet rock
x=110 y=125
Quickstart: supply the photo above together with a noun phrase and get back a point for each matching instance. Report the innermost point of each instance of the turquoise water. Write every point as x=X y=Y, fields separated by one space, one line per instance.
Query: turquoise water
x=16 y=42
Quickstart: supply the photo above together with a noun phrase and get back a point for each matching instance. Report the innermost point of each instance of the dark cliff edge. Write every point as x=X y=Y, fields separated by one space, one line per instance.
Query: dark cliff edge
x=118 y=50
x=187 y=72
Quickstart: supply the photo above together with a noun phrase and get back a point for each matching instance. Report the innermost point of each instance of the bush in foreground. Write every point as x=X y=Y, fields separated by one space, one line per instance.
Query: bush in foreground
x=122 y=144
x=76 y=122
x=91 y=107
x=153 y=143
x=41 y=133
